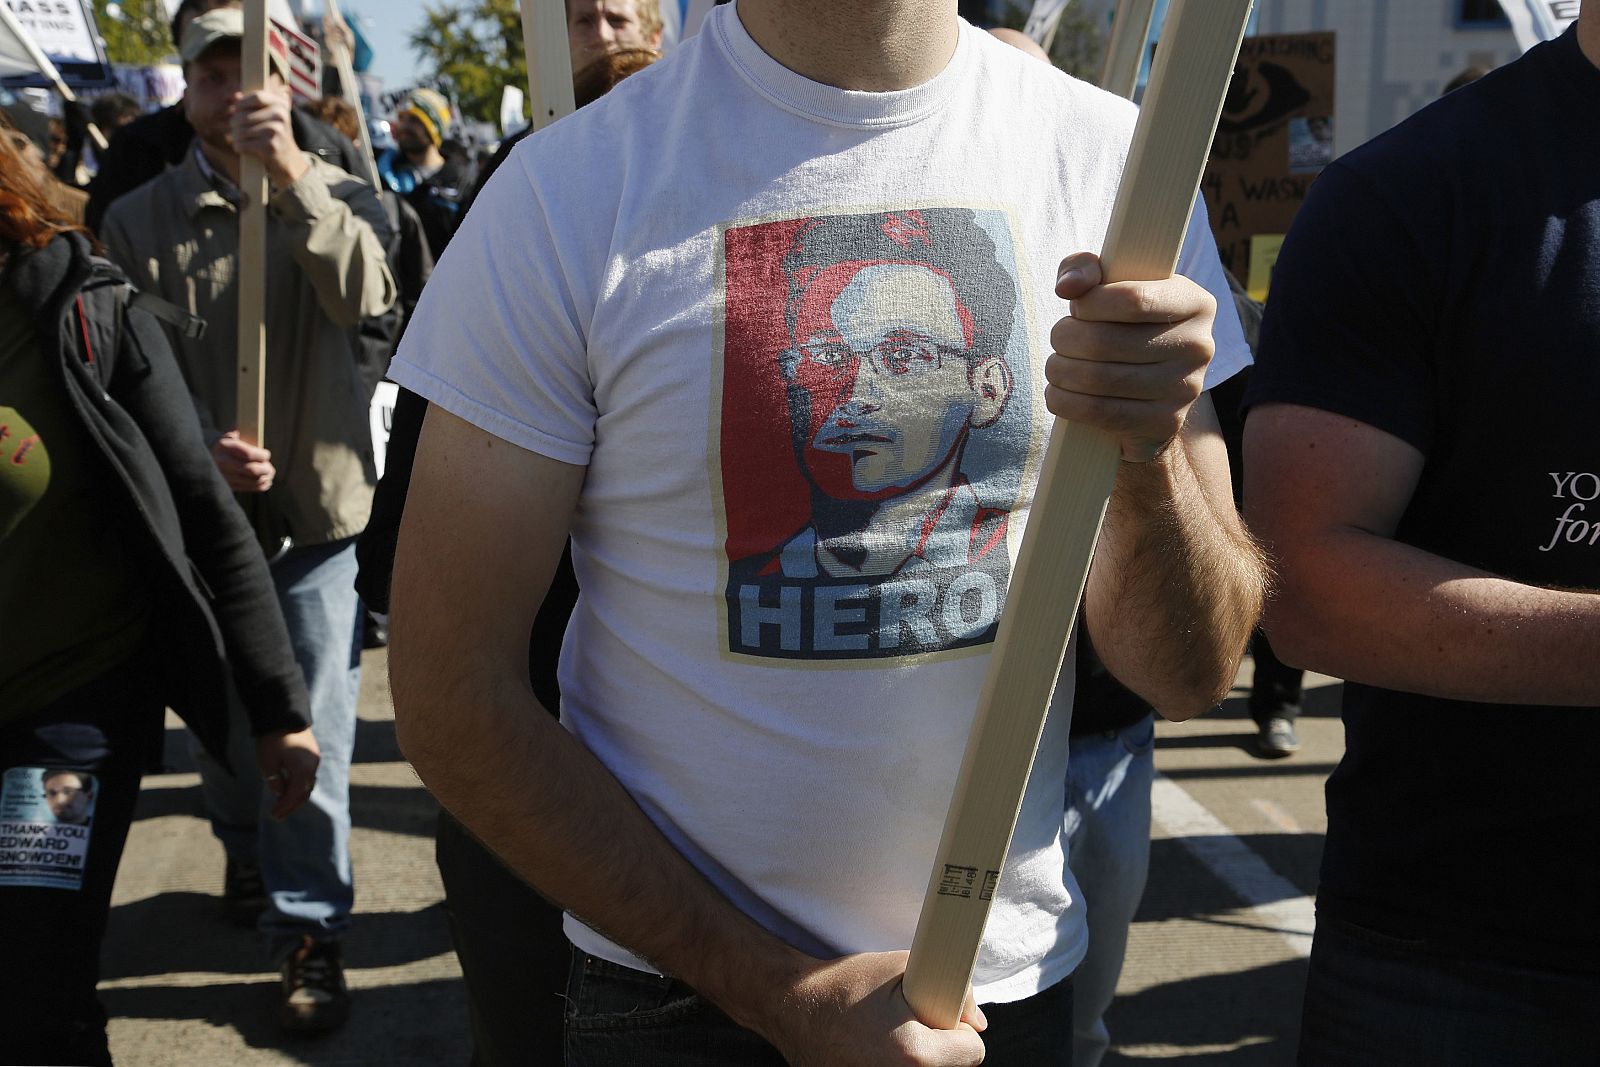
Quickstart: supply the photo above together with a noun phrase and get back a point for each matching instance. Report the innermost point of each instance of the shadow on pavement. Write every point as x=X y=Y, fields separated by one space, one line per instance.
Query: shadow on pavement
x=182 y=933
x=1181 y=887
x=1289 y=768
x=395 y=809
x=1320 y=702
x=421 y=1023
x=375 y=743
x=1247 y=1018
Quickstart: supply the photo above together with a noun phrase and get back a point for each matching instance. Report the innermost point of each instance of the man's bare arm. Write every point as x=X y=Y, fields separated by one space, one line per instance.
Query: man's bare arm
x=1326 y=494
x=484 y=526
x=1177 y=582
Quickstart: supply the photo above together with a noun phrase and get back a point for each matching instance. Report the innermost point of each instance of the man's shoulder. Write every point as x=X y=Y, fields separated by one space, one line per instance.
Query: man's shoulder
x=138 y=207
x=1460 y=135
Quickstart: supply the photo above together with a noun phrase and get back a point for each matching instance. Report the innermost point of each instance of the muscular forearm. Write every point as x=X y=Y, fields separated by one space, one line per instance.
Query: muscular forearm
x=1176 y=586
x=1446 y=629
x=535 y=795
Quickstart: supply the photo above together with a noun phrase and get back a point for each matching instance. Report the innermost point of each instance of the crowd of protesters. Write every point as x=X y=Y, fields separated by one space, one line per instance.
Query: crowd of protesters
x=686 y=815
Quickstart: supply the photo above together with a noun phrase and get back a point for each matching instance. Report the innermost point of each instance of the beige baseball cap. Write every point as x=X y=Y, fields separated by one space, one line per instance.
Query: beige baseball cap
x=221 y=24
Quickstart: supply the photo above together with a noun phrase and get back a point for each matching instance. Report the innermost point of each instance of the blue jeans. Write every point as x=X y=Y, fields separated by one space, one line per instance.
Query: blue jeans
x=620 y=1017
x=1108 y=848
x=305 y=859
x=1373 y=998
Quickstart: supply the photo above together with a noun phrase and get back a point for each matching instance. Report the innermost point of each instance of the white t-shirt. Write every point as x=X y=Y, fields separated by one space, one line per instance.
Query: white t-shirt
x=797 y=336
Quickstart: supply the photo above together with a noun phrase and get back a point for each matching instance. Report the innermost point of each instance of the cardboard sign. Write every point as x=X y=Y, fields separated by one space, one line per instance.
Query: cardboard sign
x=1533 y=21
x=65 y=32
x=1275 y=136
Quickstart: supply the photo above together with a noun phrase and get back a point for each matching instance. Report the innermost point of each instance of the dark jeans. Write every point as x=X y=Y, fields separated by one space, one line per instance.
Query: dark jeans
x=514 y=957
x=1372 y=998
x=53 y=932
x=619 y=1017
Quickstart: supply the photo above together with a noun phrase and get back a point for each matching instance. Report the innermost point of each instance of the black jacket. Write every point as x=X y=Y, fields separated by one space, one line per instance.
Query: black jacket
x=149 y=145
x=211 y=591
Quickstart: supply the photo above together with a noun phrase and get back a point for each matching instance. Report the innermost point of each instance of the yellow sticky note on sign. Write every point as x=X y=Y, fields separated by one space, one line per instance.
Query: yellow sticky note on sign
x=1263 y=257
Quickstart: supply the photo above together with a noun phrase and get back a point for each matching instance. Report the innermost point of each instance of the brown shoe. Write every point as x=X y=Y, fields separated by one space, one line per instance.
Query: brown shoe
x=314 y=999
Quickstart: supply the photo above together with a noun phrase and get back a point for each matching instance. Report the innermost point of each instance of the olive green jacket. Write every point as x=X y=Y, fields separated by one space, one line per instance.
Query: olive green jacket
x=177 y=237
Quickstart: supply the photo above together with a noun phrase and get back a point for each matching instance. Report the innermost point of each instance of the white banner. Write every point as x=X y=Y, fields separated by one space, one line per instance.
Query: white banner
x=1533 y=21
x=154 y=87
x=64 y=32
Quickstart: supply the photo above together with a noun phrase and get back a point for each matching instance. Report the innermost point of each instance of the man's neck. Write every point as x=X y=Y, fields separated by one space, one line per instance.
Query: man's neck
x=223 y=161
x=1589 y=30
x=869 y=45
x=427 y=160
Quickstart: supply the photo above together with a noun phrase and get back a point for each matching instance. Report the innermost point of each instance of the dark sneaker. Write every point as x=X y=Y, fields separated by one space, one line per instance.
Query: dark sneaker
x=374 y=631
x=244 y=894
x=1278 y=739
x=313 y=997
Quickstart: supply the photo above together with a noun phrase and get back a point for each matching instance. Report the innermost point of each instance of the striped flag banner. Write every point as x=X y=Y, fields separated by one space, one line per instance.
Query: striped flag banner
x=1533 y=21
x=302 y=55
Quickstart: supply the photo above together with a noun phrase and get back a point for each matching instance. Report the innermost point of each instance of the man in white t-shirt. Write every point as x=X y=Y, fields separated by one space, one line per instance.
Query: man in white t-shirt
x=740 y=812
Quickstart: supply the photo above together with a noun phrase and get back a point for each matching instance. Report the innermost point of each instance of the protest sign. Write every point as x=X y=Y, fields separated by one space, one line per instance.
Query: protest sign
x=1275 y=135
x=46 y=816
x=304 y=58
x=64 y=32
x=155 y=87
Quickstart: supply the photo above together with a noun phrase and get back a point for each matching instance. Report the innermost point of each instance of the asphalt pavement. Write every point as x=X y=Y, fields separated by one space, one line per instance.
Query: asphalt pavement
x=1214 y=972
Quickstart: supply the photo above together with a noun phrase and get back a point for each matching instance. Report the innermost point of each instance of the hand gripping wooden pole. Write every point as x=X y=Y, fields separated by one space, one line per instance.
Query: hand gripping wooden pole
x=1148 y=220
x=350 y=89
x=544 y=41
x=252 y=269
x=1125 y=52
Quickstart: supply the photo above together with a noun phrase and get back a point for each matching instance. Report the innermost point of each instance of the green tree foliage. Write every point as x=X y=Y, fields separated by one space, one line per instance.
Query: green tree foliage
x=1078 y=47
x=135 y=31
x=475 y=46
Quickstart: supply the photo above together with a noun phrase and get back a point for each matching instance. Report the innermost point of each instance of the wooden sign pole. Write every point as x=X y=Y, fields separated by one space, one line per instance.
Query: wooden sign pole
x=252 y=269
x=1125 y=51
x=351 y=91
x=1148 y=221
x=544 y=40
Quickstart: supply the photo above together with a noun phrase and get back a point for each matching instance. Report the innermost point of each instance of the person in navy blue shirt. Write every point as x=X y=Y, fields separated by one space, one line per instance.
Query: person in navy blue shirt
x=1422 y=459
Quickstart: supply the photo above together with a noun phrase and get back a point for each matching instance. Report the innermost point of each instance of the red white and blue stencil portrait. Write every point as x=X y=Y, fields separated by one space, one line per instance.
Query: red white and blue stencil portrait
x=877 y=420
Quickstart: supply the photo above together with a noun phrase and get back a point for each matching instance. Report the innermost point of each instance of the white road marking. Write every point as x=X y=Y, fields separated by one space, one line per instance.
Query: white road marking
x=1276 y=815
x=1275 y=901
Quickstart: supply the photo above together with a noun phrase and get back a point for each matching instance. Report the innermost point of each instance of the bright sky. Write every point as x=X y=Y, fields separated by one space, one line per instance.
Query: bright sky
x=388 y=25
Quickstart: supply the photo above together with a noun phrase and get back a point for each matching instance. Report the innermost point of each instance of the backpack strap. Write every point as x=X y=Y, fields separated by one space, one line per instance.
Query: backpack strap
x=192 y=327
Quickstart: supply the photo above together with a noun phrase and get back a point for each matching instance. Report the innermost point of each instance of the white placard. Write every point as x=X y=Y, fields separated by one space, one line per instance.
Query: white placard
x=64 y=32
